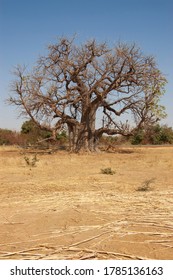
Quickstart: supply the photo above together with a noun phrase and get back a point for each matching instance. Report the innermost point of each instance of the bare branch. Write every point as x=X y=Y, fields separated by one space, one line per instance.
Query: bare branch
x=70 y=84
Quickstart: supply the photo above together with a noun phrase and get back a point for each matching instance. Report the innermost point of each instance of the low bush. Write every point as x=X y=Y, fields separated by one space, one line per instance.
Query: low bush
x=9 y=137
x=154 y=135
x=31 y=161
x=146 y=185
x=107 y=171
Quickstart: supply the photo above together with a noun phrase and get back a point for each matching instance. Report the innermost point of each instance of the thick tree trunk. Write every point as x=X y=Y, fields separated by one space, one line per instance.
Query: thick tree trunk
x=82 y=138
x=85 y=142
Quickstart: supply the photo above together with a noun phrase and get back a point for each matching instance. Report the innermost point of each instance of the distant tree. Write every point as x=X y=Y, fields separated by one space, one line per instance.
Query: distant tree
x=36 y=134
x=74 y=85
x=28 y=127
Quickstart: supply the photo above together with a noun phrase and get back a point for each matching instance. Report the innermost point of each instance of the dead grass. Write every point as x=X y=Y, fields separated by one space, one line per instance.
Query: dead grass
x=64 y=208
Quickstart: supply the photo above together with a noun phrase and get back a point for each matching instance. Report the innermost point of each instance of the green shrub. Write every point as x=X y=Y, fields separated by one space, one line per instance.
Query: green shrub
x=154 y=135
x=137 y=138
x=62 y=136
x=33 y=132
x=159 y=135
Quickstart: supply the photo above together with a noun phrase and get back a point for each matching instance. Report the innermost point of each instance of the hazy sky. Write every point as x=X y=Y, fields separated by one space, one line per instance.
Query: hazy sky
x=28 y=26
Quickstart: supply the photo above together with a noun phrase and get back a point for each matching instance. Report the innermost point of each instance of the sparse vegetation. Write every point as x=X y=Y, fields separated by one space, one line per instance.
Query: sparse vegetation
x=9 y=137
x=31 y=161
x=31 y=135
x=107 y=171
x=146 y=185
x=69 y=193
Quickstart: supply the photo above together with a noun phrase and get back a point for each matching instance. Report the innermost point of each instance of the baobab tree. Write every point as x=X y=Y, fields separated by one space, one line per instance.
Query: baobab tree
x=74 y=85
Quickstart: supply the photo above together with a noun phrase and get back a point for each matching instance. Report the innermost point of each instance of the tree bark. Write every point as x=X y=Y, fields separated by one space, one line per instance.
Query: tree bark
x=82 y=137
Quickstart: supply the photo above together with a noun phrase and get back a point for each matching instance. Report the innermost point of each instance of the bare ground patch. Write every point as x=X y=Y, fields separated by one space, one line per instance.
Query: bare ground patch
x=65 y=208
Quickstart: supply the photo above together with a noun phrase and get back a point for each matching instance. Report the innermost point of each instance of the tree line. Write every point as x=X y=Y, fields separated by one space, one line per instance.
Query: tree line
x=30 y=134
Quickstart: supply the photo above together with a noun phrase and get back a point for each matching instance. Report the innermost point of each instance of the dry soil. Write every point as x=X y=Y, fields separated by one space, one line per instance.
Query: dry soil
x=65 y=208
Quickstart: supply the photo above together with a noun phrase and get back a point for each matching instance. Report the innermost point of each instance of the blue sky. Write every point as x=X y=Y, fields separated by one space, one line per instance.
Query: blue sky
x=28 y=26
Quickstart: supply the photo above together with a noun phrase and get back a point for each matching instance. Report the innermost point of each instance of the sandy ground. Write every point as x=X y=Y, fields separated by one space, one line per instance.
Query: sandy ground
x=65 y=208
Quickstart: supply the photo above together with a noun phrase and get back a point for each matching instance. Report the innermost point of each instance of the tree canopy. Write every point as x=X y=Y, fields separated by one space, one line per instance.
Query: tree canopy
x=74 y=85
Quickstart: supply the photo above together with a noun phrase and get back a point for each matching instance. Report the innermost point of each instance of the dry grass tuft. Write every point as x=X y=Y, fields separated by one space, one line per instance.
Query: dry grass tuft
x=146 y=185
